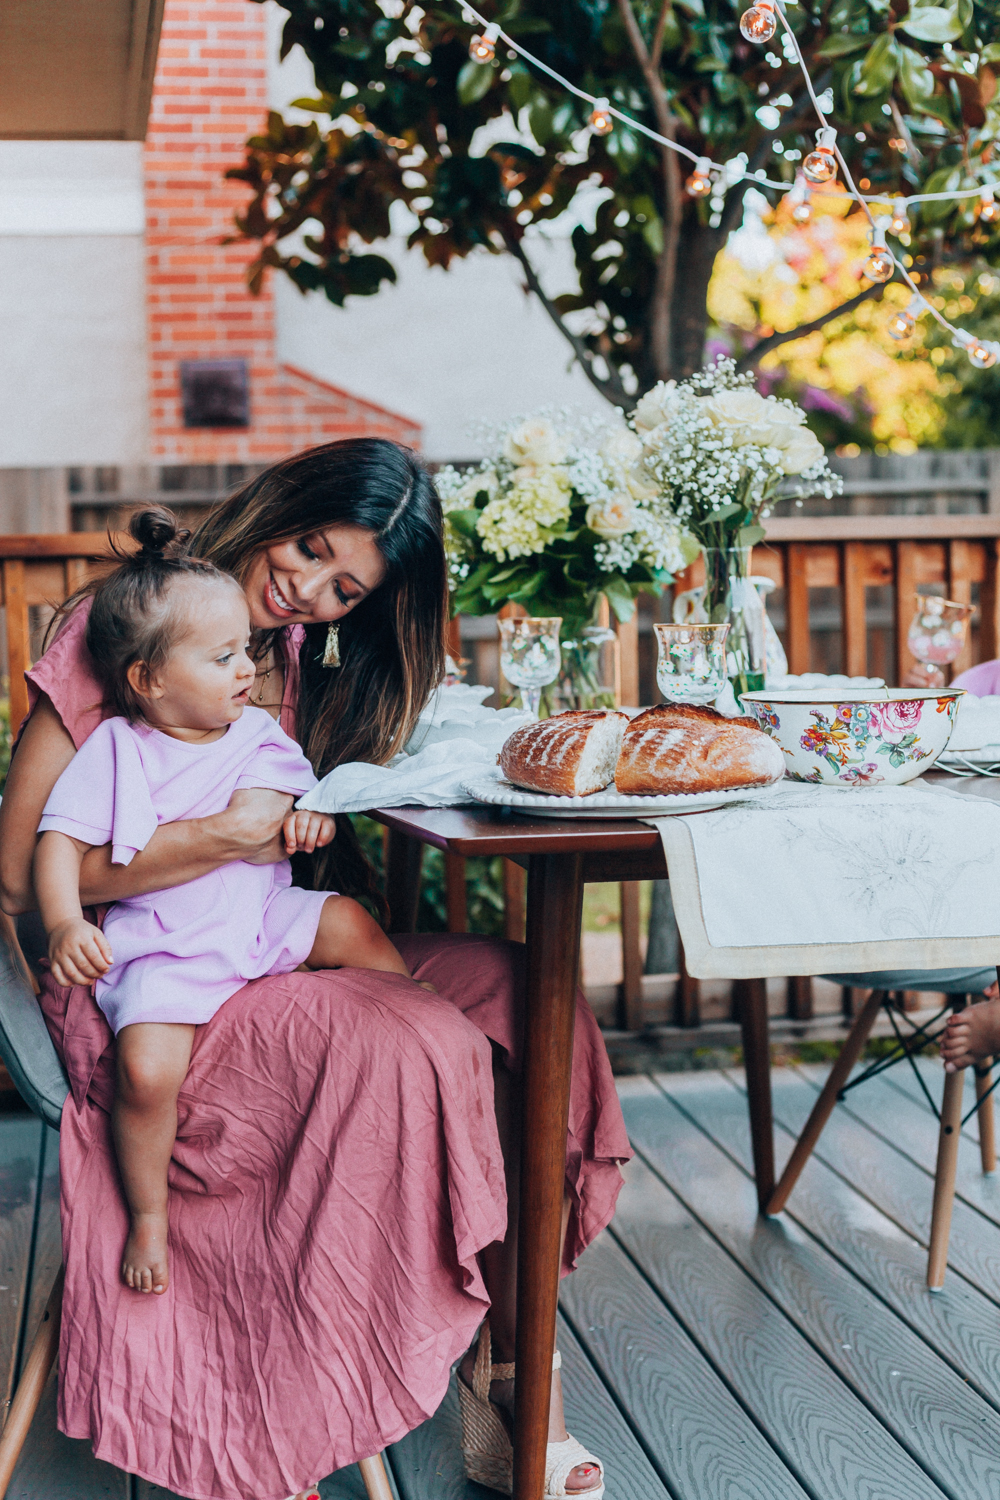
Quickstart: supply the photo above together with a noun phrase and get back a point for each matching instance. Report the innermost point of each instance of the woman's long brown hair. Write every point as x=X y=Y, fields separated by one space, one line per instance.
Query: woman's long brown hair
x=391 y=644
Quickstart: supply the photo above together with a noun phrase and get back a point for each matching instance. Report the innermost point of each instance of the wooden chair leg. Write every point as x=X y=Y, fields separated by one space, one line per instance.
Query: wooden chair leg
x=375 y=1478
x=987 y=1127
x=751 y=997
x=944 y=1178
x=27 y=1397
x=823 y=1108
x=456 y=903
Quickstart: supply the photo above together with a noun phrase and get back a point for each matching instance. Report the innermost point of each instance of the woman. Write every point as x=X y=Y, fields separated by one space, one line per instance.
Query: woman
x=339 y=1219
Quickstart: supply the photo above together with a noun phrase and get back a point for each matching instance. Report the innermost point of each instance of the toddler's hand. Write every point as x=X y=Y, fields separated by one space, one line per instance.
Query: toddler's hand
x=79 y=952
x=308 y=831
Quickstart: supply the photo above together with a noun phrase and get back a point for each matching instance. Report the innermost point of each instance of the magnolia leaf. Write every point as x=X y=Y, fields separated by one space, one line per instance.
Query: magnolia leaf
x=842 y=43
x=474 y=81
x=930 y=23
x=879 y=67
x=916 y=78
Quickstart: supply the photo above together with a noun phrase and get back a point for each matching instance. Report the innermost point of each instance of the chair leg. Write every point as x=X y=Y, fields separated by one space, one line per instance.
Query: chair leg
x=28 y=1396
x=944 y=1178
x=823 y=1108
x=375 y=1478
x=987 y=1128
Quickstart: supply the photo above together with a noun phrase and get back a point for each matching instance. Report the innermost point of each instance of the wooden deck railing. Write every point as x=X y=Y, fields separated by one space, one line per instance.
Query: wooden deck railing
x=843 y=554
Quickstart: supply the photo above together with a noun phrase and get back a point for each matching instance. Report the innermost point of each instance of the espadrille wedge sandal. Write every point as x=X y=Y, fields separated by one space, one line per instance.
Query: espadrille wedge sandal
x=486 y=1444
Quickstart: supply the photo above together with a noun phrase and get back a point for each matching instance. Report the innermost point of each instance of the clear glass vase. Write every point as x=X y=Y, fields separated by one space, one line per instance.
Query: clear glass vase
x=731 y=596
x=587 y=672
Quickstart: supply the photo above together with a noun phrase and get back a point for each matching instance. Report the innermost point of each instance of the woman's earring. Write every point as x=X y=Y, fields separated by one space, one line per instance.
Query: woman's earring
x=331 y=656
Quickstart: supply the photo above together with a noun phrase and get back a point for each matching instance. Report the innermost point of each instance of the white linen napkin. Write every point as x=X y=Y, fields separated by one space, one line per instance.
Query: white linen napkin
x=455 y=739
x=816 y=880
x=977 y=725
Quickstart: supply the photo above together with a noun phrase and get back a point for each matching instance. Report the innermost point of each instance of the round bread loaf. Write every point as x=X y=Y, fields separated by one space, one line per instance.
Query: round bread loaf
x=569 y=755
x=681 y=747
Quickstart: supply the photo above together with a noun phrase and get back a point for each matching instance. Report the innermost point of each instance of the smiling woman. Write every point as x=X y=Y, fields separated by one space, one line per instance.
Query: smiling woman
x=339 y=1202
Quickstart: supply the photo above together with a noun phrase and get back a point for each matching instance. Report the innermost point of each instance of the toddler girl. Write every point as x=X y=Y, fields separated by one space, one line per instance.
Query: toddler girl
x=169 y=636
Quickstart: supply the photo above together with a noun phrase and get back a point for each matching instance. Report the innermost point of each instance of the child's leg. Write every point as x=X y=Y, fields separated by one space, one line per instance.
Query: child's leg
x=152 y=1062
x=347 y=937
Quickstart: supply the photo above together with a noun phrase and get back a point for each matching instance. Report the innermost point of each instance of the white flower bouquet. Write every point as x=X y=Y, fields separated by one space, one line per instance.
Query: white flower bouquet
x=556 y=516
x=719 y=453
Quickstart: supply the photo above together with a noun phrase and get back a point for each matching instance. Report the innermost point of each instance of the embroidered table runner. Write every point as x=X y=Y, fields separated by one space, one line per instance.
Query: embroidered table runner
x=815 y=880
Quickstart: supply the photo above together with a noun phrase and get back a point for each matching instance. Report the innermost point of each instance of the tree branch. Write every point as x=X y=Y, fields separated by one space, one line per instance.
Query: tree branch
x=660 y=329
x=661 y=26
x=764 y=346
x=611 y=389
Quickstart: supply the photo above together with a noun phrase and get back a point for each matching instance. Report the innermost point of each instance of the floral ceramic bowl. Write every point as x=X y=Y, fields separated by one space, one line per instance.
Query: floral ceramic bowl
x=864 y=738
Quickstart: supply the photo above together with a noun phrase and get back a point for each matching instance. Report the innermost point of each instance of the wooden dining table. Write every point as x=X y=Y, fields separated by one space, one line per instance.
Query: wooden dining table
x=561 y=856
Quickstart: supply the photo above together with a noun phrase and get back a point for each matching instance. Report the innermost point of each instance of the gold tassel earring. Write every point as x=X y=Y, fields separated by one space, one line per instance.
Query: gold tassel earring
x=331 y=656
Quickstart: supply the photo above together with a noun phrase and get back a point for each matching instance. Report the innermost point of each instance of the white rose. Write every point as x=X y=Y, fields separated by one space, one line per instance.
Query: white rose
x=466 y=493
x=656 y=406
x=752 y=418
x=621 y=447
x=612 y=517
x=535 y=443
x=780 y=426
x=640 y=485
x=804 y=450
x=741 y=408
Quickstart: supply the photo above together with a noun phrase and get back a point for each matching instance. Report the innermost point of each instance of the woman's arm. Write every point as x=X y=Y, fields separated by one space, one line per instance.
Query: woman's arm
x=249 y=829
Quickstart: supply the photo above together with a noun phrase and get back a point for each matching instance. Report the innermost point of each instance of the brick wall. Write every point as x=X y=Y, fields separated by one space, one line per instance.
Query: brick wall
x=210 y=94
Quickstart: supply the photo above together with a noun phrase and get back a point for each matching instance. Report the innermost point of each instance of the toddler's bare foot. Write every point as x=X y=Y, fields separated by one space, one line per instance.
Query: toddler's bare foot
x=144 y=1263
x=971 y=1035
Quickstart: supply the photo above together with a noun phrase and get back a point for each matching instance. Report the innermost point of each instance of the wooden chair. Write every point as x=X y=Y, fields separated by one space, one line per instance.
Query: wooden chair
x=960 y=988
x=31 y=1059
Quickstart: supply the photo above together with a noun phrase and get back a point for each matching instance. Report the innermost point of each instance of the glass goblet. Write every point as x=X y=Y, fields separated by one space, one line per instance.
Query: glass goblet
x=691 y=662
x=529 y=656
x=937 y=634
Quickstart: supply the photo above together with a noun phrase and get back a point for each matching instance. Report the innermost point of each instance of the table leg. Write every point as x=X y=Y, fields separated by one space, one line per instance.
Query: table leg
x=555 y=909
x=404 y=857
x=752 y=996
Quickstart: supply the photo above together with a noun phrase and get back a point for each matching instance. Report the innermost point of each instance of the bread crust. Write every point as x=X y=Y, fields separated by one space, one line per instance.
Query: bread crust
x=685 y=747
x=545 y=757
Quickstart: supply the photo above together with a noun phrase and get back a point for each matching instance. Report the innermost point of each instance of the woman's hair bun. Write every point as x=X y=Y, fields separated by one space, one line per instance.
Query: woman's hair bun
x=156 y=530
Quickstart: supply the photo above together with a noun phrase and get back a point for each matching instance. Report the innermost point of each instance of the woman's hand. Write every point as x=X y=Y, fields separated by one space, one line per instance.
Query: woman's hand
x=922 y=676
x=255 y=820
x=79 y=952
x=308 y=831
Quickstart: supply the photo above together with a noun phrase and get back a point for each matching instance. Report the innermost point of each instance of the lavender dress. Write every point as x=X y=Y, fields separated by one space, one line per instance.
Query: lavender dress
x=179 y=954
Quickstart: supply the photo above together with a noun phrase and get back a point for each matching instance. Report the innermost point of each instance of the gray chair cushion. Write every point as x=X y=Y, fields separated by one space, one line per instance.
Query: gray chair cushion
x=950 y=981
x=25 y=1045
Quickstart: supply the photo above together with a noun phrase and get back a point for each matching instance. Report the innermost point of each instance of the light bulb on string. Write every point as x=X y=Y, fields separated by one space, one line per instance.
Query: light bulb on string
x=989 y=209
x=802 y=212
x=902 y=323
x=699 y=184
x=899 y=223
x=483 y=47
x=982 y=354
x=880 y=265
x=601 y=120
x=821 y=165
x=759 y=23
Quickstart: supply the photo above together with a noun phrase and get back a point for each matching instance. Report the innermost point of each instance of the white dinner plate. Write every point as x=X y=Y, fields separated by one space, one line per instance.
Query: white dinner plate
x=607 y=804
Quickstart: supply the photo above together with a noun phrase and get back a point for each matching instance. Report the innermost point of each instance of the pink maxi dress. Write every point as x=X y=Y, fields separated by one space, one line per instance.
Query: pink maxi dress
x=180 y=953
x=336 y=1172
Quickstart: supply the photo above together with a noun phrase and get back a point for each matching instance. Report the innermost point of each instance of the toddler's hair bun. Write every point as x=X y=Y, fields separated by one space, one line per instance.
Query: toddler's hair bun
x=157 y=531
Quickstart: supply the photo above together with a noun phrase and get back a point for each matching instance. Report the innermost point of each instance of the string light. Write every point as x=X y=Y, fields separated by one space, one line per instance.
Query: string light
x=802 y=212
x=601 y=122
x=899 y=223
x=989 y=209
x=699 y=184
x=983 y=353
x=821 y=165
x=758 y=24
x=880 y=264
x=902 y=323
x=483 y=47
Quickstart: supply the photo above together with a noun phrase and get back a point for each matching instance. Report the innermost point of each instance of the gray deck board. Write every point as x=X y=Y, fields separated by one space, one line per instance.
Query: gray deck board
x=924 y=1407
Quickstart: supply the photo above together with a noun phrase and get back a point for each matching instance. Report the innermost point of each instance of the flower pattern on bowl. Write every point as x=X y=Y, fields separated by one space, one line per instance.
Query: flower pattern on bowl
x=859 y=743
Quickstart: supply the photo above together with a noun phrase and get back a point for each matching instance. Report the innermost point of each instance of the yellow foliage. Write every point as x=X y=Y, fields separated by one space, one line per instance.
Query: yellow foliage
x=818 y=266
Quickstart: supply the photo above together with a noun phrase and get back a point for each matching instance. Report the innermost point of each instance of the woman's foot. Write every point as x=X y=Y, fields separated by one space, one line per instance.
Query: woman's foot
x=581 y=1479
x=971 y=1035
x=144 y=1263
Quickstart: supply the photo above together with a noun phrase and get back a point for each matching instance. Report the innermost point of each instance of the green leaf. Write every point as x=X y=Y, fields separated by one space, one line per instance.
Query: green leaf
x=619 y=596
x=842 y=43
x=474 y=81
x=964 y=9
x=879 y=67
x=749 y=536
x=990 y=54
x=916 y=78
x=519 y=86
x=540 y=118
x=929 y=23
x=528 y=590
x=353 y=46
x=464 y=521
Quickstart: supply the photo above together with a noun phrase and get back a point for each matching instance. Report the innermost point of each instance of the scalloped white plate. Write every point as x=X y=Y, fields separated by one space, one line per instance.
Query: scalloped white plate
x=607 y=804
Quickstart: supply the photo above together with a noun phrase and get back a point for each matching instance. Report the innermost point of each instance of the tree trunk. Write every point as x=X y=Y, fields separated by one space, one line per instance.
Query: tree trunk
x=698 y=248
